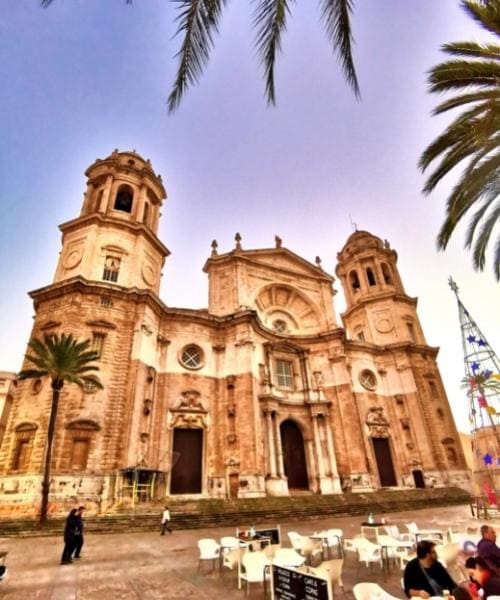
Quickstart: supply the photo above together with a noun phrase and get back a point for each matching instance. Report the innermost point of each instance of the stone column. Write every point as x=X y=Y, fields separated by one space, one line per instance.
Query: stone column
x=105 y=206
x=270 y=443
x=317 y=444
x=279 y=448
x=331 y=451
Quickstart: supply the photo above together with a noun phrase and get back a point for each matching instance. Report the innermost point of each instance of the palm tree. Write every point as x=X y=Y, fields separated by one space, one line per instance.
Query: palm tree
x=198 y=21
x=474 y=135
x=63 y=359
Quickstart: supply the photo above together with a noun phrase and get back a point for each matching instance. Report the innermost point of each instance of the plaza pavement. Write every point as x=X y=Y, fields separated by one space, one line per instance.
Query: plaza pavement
x=147 y=566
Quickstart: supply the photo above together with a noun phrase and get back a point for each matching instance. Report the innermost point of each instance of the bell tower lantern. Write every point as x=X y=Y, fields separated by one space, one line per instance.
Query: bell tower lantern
x=378 y=309
x=114 y=239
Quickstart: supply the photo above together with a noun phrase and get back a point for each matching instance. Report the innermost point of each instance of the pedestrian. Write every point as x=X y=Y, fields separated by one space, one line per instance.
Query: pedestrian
x=70 y=530
x=79 y=532
x=165 y=520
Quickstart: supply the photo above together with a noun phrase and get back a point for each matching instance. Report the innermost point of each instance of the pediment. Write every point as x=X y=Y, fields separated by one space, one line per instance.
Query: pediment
x=284 y=260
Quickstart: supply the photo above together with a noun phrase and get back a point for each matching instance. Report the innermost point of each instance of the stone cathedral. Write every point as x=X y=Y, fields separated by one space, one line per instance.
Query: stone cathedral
x=261 y=393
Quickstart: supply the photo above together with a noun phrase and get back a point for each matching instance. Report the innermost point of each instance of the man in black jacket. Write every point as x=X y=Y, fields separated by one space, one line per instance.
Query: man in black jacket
x=79 y=532
x=425 y=576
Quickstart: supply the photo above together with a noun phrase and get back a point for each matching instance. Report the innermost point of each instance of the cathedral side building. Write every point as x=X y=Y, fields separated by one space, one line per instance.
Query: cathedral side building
x=262 y=393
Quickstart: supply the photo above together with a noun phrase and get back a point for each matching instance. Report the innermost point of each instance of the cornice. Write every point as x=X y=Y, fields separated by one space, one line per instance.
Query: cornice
x=384 y=296
x=99 y=219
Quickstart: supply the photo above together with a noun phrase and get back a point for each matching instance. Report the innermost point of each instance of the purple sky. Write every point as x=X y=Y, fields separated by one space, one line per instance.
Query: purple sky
x=87 y=76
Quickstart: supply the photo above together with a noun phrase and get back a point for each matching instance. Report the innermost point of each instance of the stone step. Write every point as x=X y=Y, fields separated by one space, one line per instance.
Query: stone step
x=191 y=514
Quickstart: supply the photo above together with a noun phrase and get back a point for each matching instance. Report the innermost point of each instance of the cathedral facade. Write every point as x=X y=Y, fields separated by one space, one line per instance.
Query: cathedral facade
x=262 y=393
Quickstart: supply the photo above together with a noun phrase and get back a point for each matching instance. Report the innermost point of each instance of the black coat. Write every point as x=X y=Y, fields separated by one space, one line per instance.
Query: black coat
x=415 y=579
x=71 y=528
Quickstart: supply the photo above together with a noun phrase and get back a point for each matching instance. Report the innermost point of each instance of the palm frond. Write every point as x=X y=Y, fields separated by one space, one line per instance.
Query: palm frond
x=457 y=74
x=336 y=15
x=482 y=240
x=270 y=23
x=485 y=13
x=464 y=127
x=468 y=191
x=472 y=49
x=198 y=21
x=477 y=217
x=479 y=96
x=31 y=374
x=496 y=260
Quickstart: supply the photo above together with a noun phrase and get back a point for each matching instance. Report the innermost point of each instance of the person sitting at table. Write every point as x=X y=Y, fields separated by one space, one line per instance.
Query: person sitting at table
x=483 y=577
x=487 y=548
x=424 y=576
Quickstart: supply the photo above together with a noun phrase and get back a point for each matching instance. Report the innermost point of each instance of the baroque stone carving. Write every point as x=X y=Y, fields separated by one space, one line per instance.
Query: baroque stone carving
x=376 y=422
x=189 y=412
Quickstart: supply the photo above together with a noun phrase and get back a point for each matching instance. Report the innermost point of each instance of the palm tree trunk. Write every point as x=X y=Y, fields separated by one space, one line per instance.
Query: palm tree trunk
x=56 y=390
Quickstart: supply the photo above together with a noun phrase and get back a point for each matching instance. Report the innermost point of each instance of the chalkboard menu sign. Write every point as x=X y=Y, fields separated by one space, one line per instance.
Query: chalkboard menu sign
x=289 y=584
x=272 y=532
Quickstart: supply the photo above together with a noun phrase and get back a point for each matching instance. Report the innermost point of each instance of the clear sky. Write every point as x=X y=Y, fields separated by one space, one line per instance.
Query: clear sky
x=87 y=76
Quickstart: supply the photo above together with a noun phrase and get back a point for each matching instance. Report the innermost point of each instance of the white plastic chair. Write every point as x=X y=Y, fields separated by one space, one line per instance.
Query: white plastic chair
x=393 y=531
x=335 y=540
x=429 y=534
x=371 y=591
x=209 y=550
x=310 y=549
x=331 y=570
x=288 y=557
x=253 y=571
x=368 y=552
x=295 y=539
x=230 y=561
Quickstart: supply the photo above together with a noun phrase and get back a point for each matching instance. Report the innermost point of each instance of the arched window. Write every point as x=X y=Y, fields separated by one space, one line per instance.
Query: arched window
x=354 y=280
x=124 y=198
x=386 y=272
x=370 y=277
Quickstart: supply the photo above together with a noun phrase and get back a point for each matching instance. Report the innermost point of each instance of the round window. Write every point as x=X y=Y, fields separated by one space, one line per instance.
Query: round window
x=280 y=326
x=367 y=379
x=192 y=357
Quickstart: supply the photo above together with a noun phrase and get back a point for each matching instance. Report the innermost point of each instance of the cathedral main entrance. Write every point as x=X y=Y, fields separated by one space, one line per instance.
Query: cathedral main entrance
x=187 y=471
x=385 y=465
x=294 y=457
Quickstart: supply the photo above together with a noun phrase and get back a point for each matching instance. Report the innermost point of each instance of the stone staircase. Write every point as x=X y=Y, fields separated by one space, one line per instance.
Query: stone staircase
x=216 y=513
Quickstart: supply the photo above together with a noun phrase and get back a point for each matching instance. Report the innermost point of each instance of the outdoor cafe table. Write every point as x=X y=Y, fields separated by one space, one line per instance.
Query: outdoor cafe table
x=387 y=543
x=324 y=536
x=367 y=529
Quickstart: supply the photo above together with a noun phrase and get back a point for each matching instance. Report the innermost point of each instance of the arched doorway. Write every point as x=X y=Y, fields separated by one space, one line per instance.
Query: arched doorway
x=294 y=456
x=418 y=478
x=385 y=465
x=187 y=471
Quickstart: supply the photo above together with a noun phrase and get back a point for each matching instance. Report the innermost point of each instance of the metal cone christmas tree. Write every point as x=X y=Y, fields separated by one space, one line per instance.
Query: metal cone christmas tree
x=482 y=382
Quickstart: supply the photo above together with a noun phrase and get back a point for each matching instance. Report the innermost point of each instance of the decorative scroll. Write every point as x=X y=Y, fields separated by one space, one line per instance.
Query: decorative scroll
x=378 y=425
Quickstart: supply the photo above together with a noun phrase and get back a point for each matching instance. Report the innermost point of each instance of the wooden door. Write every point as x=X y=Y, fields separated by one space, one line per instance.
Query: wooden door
x=294 y=456
x=234 y=484
x=385 y=465
x=187 y=471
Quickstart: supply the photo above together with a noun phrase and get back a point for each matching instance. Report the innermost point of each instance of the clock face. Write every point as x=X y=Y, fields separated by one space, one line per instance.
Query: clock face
x=384 y=325
x=148 y=273
x=73 y=258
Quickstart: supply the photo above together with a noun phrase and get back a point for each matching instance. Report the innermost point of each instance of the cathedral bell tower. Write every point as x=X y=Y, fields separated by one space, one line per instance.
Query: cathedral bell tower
x=378 y=309
x=114 y=239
